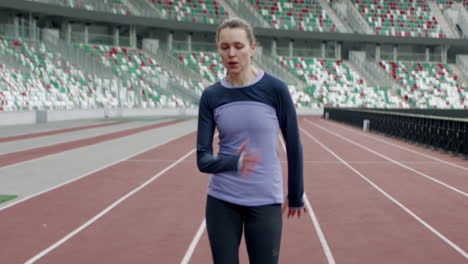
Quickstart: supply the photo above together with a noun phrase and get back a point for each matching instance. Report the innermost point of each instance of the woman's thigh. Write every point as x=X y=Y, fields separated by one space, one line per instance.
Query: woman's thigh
x=224 y=227
x=263 y=227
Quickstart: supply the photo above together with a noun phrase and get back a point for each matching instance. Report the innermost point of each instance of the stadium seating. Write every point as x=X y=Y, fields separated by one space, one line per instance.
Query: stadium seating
x=113 y=6
x=59 y=84
x=294 y=15
x=199 y=11
x=333 y=83
x=443 y=4
x=142 y=72
x=428 y=85
x=400 y=18
x=207 y=63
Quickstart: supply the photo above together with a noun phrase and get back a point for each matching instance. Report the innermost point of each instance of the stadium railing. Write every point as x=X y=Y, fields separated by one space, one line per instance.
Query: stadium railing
x=436 y=132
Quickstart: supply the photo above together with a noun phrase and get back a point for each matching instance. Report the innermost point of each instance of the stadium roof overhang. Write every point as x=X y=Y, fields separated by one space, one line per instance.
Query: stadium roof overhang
x=61 y=14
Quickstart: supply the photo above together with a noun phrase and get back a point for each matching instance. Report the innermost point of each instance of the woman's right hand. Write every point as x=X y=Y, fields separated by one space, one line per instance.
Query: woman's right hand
x=250 y=159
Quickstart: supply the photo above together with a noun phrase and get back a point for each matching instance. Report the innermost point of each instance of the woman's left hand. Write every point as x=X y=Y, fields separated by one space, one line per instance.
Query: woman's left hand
x=293 y=211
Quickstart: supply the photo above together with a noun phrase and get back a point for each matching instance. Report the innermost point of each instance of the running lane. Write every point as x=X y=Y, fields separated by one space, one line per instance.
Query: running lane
x=441 y=207
x=299 y=237
x=35 y=224
x=58 y=131
x=360 y=223
x=154 y=225
x=25 y=155
x=438 y=167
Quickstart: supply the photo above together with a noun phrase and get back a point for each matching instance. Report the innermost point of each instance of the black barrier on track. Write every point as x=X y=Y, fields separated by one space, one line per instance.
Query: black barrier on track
x=447 y=134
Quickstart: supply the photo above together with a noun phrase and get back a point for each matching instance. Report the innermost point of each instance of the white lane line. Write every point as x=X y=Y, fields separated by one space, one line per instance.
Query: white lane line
x=372 y=136
x=370 y=162
x=196 y=238
x=432 y=229
x=320 y=234
x=91 y=172
x=194 y=243
x=67 y=150
x=394 y=161
x=318 y=229
x=103 y=212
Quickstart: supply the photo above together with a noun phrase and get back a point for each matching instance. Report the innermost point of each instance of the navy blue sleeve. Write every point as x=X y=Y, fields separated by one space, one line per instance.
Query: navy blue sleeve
x=290 y=129
x=206 y=162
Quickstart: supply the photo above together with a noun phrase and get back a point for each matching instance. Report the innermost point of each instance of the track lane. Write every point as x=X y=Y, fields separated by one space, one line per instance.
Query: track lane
x=152 y=225
x=26 y=155
x=37 y=142
x=361 y=224
x=58 y=131
x=456 y=178
x=39 y=222
x=432 y=155
x=299 y=237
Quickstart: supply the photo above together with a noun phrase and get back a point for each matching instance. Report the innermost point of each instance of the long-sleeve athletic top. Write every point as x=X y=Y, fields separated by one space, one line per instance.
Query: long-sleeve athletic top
x=258 y=112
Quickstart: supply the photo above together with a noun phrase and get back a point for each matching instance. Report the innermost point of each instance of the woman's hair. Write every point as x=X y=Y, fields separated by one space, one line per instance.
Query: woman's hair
x=236 y=22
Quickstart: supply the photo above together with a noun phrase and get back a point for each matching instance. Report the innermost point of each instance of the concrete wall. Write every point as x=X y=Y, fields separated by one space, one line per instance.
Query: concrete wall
x=31 y=117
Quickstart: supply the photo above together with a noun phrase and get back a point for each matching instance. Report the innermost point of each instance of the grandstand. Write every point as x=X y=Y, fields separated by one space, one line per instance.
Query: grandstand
x=99 y=137
x=154 y=54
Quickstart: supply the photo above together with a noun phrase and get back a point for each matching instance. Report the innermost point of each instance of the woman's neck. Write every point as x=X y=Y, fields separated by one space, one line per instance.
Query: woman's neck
x=242 y=78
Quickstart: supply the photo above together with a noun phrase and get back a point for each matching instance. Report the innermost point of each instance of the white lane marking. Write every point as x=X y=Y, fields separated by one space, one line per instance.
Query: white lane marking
x=394 y=161
x=194 y=243
x=106 y=210
x=372 y=136
x=196 y=238
x=67 y=150
x=91 y=172
x=432 y=229
x=315 y=222
x=320 y=234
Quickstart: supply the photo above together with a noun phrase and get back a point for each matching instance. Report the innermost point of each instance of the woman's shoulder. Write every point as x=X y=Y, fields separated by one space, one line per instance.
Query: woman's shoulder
x=275 y=83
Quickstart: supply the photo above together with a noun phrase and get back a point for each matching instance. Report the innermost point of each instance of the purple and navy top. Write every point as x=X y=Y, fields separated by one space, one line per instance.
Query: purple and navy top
x=258 y=112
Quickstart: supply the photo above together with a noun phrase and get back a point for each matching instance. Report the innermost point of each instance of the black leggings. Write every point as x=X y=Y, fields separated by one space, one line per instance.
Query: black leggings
x=262 y=224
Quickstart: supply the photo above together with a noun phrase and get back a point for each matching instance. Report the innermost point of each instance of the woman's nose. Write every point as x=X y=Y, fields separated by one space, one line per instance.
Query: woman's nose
x=231 y=52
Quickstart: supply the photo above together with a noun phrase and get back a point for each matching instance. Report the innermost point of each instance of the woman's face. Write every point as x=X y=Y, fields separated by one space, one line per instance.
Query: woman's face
x=235 y=49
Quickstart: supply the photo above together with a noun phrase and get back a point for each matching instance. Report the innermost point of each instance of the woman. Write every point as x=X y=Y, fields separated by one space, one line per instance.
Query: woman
x=249 y=108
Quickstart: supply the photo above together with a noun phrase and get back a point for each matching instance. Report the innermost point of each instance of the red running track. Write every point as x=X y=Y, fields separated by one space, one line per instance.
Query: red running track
x=25 y=155
x=58 y=131
x=35 y=224
x=360 y=222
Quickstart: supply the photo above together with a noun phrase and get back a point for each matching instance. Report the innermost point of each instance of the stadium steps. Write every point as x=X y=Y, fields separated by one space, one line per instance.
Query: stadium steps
x=178 y=68
x=134 y=10
x=463 y=76
x=372 y=71
x=350 y=15
x=464 y=15
x=271 y=65
x=340 y=25
x=146 y=9
x=446 y=28
x=246 y=11
x=364 y=75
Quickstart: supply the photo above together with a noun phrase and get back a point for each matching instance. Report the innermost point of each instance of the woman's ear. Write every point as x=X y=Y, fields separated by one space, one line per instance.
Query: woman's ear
x=253 y=46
